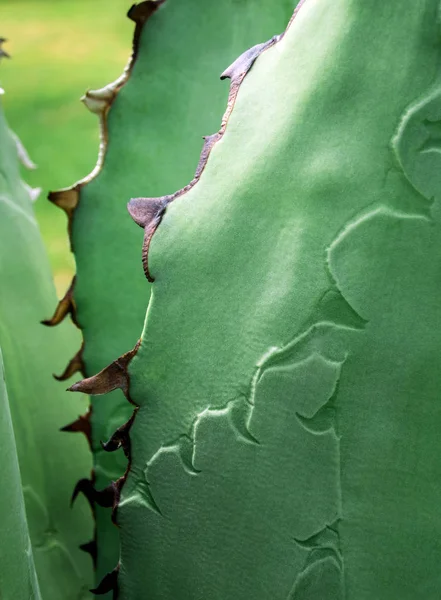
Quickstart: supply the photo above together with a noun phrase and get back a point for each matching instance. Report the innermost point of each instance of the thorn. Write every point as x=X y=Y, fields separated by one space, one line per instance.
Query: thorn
x=66 y=199
x=108 y=584
x=240 y=67
x=97 y=101
x=120 y=439
x=81 y=425
x=76 y=365
x=105 y=497
x=84 y=486
x=147 y=213
x=91 y=548
x=111 y=378
x=140 y=13
x=64 y=307
x=106 y=94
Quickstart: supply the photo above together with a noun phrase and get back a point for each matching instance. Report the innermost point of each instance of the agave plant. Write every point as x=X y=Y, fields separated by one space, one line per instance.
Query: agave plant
x=278 y=340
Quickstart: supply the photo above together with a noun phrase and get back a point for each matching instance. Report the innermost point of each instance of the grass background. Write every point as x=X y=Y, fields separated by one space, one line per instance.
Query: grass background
x=59 y=49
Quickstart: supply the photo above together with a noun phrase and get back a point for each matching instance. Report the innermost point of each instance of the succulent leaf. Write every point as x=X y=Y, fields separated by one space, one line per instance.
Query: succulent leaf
x=50 y=461
x=18 y=578
x=295 y=300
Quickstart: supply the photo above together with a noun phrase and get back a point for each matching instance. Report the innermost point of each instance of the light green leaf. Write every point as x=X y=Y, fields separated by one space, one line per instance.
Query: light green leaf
x=18 y=578
x=51 y=461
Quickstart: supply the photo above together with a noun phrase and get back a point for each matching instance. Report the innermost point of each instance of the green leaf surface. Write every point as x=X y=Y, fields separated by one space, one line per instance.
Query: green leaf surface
x=18 y=578
x=51 y=461
x=154 y=130
x=287 y=438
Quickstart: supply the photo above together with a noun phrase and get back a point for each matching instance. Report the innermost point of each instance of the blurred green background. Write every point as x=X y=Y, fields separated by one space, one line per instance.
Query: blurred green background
x=59 y=49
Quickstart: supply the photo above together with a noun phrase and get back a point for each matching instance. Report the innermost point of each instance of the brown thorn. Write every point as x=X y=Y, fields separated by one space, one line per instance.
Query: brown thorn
x=111 y=378
x=140 y=13
x=75 y=365
x=81 y=425
x=107 y=380
x=109 y=583
x=67 y=200
x=120 y=439
x=105 y=497
x=84 y=486
x=64 y=307
x=147 y=213
x=91 y=548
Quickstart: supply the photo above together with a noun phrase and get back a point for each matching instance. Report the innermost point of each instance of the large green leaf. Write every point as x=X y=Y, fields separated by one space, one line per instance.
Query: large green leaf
x=152 y=128
x=287 y=440
x=18 y=578
x=51 y=461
